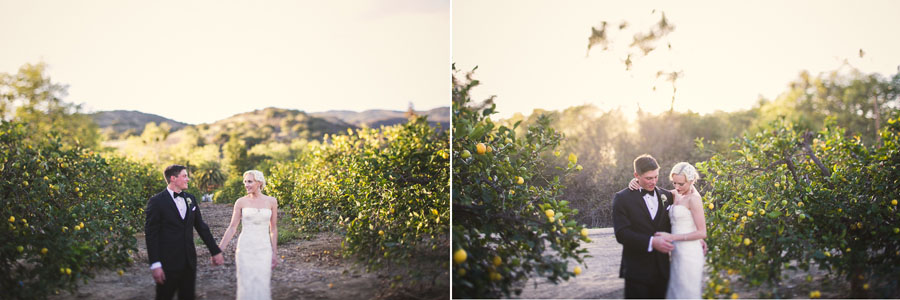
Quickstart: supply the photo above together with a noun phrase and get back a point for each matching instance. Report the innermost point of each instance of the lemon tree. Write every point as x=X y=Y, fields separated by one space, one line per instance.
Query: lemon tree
x=507 y=222
x=67 y=212
x=785 y=199
x=388 y=190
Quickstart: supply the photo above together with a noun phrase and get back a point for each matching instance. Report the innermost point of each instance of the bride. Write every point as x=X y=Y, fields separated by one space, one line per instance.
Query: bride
x=688 y=230
x=257 y=246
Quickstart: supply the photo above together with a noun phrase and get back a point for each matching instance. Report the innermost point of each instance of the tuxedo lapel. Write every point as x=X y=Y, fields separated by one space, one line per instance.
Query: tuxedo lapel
x=644 y=208
x=169 y=203
x=187 y=210
x=661 y=210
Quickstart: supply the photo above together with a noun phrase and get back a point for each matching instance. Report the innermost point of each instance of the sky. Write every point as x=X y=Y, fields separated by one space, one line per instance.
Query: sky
x=533 y=54
x=200 y=61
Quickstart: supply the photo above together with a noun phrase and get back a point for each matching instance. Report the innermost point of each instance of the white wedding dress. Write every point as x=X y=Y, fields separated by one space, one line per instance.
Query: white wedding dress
x=254 y=255
x=686 y=269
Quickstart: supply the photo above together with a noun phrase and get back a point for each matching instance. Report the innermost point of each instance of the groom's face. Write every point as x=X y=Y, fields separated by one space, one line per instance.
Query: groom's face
x=647 y=180
x=181 y=181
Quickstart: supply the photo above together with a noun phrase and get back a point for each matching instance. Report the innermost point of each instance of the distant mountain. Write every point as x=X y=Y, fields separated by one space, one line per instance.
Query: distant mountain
x=378 y=117
x=120 y=123
x=262 y=125
x=271 y=124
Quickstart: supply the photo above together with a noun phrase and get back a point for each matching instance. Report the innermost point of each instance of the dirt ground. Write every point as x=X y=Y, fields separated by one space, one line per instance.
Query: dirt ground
x=600 y=278
x=311 y=269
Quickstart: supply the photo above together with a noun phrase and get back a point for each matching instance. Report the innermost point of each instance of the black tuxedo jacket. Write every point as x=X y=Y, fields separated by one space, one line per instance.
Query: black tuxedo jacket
x=170 y=239
x=633 y=228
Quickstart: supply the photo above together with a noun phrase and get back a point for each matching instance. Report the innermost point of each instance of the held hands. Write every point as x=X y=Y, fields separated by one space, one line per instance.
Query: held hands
x=274 y=261
x=159 y=276
x=662 y=244
x=217 y=260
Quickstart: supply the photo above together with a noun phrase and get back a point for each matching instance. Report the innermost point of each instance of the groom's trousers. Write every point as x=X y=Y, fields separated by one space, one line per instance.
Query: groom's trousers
x=181 y=281
x=639 y=290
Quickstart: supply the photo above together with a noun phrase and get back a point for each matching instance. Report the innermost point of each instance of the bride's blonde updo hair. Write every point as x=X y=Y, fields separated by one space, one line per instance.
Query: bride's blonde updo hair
x=686 y=169
x=258 y=176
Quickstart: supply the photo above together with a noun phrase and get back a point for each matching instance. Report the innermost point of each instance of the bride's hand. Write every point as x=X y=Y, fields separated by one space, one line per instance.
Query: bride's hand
x=274 y=261
x=633 y=184
x=665 y=235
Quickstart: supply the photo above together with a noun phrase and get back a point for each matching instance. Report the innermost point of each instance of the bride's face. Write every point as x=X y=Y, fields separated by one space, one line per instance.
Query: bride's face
x=250 y=184
x=682 y=185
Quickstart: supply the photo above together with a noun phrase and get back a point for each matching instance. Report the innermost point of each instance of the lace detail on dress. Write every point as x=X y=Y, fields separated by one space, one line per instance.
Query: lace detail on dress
x=254 y=255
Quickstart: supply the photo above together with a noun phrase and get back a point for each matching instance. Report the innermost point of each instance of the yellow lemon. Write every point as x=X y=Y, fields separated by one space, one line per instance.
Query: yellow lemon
x=44 y=251
x=800 y=204
x=20 y=248
x=827 y=254
x=747 y=242
x=577 y=270
x=896 y=230
x=496 y=276
x=564 y=230
x=121 y=272
x=550 y=213
x=12 y=219
x=711 y=206
x=512 y=192
x=894 y=202
x=579 y=168
x=466 y=154
x=815 y=294
x=434 y=211
x=520 y=180
x=552 y=219
x=381 y=232
x=749 y=213
x=497 y=261
x=866 y=286
x=735 y=296
x=489 y=149
x=480 y=148
x=584 y=232
x=459 y=256
x=68 y=271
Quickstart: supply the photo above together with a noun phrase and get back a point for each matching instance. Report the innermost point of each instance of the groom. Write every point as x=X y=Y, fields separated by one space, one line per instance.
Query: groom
x=171 y=217
x=637 y=215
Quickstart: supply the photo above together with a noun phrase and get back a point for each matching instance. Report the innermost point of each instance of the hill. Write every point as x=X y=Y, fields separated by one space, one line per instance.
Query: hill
x=122 y=123
x=378 y=117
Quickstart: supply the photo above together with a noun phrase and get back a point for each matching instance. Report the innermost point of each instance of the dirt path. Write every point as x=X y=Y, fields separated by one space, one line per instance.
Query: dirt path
x=601 y=277
x=311 y=269
x=599 y=280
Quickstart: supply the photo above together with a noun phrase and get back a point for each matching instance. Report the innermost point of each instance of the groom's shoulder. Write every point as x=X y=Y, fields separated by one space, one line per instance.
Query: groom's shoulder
x=624 y=192
x=157 y=195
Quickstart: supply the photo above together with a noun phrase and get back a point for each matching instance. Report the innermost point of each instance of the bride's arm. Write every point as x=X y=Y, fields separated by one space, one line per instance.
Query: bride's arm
x=273 y=232
x=696 y=207
x=232 y=227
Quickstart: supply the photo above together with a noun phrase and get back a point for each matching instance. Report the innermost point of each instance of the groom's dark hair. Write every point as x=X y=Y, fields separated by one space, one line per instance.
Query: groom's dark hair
x=173 y=170
x=645 y=163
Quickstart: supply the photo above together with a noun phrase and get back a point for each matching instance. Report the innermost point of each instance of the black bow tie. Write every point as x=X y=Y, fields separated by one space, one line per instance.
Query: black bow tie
x=646 y=192
x=182 y=195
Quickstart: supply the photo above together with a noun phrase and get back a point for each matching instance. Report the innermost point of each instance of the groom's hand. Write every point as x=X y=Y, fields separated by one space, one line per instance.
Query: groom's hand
x=218 y=259
x=159 y=276
x=662 y=245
